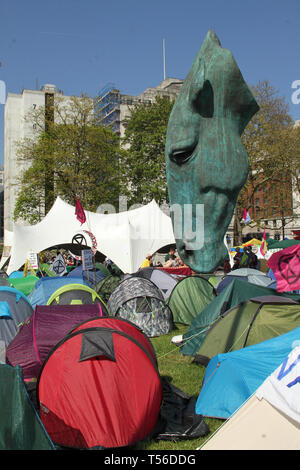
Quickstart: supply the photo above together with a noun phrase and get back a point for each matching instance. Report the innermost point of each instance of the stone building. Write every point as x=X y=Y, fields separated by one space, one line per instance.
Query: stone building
x=17 y=128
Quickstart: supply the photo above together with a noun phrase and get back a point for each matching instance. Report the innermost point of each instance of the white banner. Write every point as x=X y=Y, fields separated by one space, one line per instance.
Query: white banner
x=59 y=266
x=282 y=388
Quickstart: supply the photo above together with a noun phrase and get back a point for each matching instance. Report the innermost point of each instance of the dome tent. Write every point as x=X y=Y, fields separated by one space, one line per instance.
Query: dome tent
x=73 y=294
x=231 y=378
x=91 y=277
x=42 y=331
x=20 y=425
x=140 y=301
x=236 y=292
x=254 y=276
x=106 y=286
x=163 y=280
x=14 y=309
x=189 y=297
x=46 y=286
x=251 y=322
x=111 y=366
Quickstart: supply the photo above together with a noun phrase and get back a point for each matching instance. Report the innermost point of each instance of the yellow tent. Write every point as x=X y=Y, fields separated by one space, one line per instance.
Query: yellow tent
x=254 y=241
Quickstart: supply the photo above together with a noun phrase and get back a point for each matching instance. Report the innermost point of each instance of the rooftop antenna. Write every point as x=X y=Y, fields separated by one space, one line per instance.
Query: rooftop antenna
x=164 y=57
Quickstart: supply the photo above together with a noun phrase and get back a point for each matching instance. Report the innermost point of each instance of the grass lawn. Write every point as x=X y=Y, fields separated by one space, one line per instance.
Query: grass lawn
x=181 y=372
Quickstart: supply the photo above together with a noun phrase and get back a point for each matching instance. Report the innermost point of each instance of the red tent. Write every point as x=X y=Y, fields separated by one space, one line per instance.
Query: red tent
x=100 y=387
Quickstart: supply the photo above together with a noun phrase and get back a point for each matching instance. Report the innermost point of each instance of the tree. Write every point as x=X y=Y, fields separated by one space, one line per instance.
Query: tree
x=271 y=142
x=81 y=157
x=144 y=163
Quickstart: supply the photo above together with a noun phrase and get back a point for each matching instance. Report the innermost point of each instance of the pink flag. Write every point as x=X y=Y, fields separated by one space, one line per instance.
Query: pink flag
x=79 y=212
x=263 y=246
x=285 y=265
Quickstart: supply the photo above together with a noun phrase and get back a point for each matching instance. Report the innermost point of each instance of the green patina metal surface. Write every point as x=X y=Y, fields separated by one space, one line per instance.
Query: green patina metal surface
x=206 y=162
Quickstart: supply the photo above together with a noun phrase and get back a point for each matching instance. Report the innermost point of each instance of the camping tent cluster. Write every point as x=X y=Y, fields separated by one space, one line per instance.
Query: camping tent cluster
x=76 y=346
x=101 y=352
x=248 y=339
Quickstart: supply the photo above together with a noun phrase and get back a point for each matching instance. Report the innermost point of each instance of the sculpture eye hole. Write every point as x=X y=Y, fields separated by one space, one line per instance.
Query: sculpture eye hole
x=182 y=156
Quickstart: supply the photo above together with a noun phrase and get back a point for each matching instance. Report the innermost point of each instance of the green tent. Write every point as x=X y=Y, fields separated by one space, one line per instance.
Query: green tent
x=20 y=425
x=236 y=292
x=275 y=244
x=251 y=322
x=214 y=280
x=106 y=286
x=24 y=284
x=189 y=297
x=45 y=268
x=102 y=268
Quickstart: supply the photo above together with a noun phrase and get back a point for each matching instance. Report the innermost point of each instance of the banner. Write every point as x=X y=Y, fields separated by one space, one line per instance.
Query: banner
x=285 y=265
x=282 y=388
x=87 y=259
x=58 y=266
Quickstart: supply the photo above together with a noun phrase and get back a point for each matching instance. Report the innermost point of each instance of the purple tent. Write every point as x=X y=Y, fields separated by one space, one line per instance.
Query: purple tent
x=43 y=330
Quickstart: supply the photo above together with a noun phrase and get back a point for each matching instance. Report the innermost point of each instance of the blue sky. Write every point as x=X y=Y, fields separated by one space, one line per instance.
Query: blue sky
x=81 y=46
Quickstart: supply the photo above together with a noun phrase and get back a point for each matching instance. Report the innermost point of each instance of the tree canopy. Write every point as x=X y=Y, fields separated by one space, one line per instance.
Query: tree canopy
x=272 y=144
x=78 y=155
x=143 y=166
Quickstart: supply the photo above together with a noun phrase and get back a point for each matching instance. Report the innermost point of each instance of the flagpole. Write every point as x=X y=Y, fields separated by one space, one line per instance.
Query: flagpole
x=164 y=57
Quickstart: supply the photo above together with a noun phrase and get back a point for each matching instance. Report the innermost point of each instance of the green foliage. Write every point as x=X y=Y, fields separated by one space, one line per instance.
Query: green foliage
x=143 y=165
x=272 y=144
x=74 y=157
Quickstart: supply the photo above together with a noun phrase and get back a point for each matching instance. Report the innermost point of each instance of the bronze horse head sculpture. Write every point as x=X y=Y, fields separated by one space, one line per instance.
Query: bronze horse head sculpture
x=206 y=162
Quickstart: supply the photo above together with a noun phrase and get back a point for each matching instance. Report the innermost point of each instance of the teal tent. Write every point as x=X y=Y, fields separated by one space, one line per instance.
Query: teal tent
x=281 y=244
x=20 y=425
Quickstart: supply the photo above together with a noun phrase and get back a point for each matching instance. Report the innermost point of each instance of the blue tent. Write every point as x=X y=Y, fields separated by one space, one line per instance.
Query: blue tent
x=16 y=275
x=231 y=378
x=45 y=287
x=91 y=277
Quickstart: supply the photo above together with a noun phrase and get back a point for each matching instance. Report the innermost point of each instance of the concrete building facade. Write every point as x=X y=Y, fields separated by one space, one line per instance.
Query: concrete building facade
x=16 y=128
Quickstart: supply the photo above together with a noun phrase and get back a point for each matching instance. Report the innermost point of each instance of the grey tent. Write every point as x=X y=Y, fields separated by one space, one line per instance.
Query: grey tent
x=14 y=309
x=163 y=280
x=140 y=301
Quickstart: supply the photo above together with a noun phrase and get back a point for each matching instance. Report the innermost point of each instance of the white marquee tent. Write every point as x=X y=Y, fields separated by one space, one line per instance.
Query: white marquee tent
x=125 y=237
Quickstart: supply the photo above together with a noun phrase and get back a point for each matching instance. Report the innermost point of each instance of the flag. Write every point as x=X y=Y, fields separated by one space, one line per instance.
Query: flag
x=246 y=217
x=263 y=246
x=79 y=212
x=58 y=266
